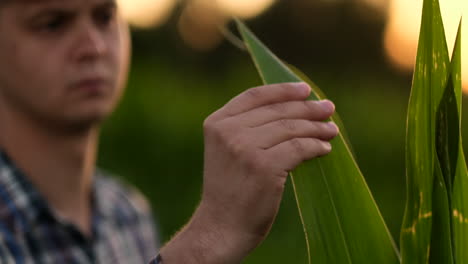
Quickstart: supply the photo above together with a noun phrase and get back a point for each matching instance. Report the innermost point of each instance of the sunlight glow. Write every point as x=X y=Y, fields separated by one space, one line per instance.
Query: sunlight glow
x=199 y=25
x=146 y=13
x=402 y=32
x=379 y=5
x=243 y=8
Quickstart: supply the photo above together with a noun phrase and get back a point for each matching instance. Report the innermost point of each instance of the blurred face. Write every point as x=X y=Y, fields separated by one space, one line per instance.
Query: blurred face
x=62 y=62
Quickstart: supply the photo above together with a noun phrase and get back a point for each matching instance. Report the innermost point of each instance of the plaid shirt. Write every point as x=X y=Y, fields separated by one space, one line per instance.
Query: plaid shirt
x=30 y=232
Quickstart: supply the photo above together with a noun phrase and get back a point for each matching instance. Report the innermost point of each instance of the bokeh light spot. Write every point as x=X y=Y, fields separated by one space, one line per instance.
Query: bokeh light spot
x=244 y=8
x=402 y=32
x=146 y=13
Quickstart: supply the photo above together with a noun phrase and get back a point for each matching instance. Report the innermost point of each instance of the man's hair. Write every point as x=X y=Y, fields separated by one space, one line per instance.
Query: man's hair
x=4 y=2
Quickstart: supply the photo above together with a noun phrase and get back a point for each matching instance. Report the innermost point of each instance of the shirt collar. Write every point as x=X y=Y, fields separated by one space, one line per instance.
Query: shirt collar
x=103 y=199
x=25 y=206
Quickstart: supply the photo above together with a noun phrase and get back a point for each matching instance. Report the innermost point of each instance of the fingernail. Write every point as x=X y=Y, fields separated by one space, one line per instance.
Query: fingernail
x=327 y=105
x=333 y=126
x=327 y=146
x=304 y=88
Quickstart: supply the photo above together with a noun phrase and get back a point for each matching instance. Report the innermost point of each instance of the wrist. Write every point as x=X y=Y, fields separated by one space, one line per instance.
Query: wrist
x=208 y=240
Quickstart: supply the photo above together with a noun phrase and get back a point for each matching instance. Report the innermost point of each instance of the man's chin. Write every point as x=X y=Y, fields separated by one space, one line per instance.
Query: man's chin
x=75 y=125
x=76 y=118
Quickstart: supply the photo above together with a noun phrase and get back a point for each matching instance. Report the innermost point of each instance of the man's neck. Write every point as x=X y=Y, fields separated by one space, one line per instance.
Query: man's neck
x=60 y=166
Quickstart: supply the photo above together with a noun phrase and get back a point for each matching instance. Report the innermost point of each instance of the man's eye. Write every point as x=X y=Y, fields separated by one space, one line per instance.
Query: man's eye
x=53 y=24
x=105 y=16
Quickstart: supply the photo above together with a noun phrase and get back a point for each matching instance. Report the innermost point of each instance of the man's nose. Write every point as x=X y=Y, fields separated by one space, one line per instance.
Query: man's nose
x=90 y=43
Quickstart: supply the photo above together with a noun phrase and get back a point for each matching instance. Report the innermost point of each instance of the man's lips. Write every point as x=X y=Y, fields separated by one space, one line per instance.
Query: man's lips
x=92 y=86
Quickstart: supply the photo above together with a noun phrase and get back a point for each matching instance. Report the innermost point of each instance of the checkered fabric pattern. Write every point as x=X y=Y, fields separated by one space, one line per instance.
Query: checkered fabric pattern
x=30 y=232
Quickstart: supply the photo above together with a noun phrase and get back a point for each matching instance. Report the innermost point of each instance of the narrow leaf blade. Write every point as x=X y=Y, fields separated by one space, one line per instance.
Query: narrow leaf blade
x=429 y=81
x=460 y=184
x=340 y=217
x=441 y=240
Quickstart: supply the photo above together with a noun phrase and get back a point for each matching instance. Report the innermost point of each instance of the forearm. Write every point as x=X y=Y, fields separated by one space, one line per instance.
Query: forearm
x=203 y=242
x=192 y=245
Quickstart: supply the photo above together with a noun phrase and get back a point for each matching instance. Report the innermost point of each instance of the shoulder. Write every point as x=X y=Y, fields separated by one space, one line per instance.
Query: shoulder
x=119 y=196
x=127 y=212
x=126 y=208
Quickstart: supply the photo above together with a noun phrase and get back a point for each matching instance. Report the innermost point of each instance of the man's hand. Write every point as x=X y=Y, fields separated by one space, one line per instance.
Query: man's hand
x=250 y=146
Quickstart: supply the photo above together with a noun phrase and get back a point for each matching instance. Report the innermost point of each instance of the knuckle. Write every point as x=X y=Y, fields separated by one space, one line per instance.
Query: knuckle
x=277 y=108
x=256 y=163
x=298 y=146
x=212 y=121
x=289 y=125
x=236 y=145
x=211 y=130
x=216 y=130
x=316 y=111
x=315 y=128
x=324 y=130
x=208 y=124
x=255 y=92
x=311 y=107
x=288 y=88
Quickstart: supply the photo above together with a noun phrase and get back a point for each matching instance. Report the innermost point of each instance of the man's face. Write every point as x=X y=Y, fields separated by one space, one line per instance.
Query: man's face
x=63 y=62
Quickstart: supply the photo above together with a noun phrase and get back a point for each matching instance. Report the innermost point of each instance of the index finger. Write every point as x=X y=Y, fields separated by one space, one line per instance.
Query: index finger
x=265 y=95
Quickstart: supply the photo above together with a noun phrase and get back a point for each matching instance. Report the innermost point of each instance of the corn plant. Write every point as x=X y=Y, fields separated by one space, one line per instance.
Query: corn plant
x=341 y=220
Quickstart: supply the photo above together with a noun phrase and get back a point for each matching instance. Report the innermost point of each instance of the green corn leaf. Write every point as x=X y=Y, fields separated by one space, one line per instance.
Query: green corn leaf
x=448 y=135
x=460 y=182
x=456 y=70
x=447 y=149
x=320 y=94
x=340 y=217
x=447 y=146
x=429 y=81
x=460 y=212
x=441 y=239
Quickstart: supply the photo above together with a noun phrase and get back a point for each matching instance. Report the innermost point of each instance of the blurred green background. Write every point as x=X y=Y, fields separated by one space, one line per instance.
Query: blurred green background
x=155 y=138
